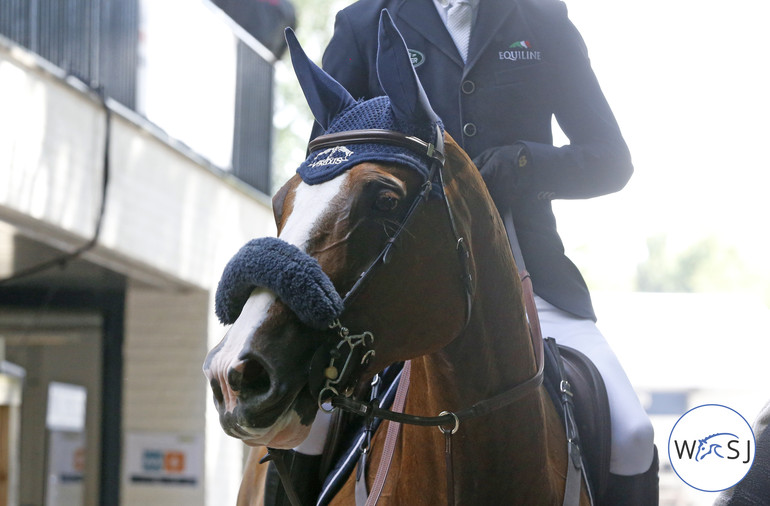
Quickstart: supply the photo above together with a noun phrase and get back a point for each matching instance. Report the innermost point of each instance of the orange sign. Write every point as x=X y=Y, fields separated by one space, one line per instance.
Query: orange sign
x=173 y=462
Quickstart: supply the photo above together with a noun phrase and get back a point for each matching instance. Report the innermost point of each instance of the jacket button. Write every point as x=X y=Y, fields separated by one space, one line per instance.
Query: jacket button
x=469 y=129
x=468 y=87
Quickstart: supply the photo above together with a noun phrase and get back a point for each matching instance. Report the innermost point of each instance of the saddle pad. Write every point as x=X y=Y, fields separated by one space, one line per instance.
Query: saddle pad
x=592 y=411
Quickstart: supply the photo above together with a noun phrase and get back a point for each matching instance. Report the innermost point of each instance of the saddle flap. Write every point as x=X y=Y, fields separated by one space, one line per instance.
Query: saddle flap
x=592 y=411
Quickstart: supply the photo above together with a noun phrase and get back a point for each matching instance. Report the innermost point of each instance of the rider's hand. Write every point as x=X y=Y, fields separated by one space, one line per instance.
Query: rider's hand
x=504 y=169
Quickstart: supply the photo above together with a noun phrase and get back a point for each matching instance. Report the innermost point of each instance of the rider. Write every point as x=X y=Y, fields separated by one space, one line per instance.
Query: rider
x=496 y=94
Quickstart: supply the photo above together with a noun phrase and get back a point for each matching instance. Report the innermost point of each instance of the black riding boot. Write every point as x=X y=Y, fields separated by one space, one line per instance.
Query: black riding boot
x=636 y=490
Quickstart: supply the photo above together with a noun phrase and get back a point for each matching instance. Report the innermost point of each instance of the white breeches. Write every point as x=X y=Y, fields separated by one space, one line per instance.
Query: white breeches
x=632 y=433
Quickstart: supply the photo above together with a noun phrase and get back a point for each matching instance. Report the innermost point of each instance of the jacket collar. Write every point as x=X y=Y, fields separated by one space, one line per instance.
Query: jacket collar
x=421 y=16
x=492 y=15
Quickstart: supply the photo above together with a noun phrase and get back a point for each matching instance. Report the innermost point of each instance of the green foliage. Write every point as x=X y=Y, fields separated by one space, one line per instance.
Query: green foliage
x=705 y=266
x=292 y=120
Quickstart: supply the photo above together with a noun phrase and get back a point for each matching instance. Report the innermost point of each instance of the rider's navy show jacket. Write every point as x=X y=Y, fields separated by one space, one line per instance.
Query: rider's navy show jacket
x=526 y=63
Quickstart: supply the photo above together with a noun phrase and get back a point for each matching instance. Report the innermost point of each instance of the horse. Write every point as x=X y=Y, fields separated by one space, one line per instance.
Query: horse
x=440 y=289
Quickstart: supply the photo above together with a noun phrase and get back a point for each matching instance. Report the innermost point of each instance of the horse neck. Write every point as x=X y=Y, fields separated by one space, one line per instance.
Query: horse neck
x=504 y=454
x=494 y=352
x=496 y=339
x=492 y=355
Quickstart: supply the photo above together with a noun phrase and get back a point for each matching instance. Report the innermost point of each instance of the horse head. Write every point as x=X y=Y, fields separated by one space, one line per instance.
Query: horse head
x=352 y=208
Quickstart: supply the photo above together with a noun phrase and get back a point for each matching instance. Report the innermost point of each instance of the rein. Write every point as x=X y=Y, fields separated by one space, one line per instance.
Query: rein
x=449 y=422
x=481 y=408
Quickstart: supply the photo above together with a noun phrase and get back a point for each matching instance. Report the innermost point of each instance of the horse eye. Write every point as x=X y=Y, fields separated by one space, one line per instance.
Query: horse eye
x=386 y=201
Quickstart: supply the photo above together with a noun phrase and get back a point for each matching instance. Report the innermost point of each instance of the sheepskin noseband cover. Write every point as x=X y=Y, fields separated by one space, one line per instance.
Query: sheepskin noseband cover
x=292 y=274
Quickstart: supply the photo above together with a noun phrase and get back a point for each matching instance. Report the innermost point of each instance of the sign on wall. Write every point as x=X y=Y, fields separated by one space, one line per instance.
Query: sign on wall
x=66 y=422
x=66 y=465
x=163 y=458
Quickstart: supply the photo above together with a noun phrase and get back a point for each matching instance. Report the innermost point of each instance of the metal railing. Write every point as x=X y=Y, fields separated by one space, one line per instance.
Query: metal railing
x=98 y=42
x=93 y=40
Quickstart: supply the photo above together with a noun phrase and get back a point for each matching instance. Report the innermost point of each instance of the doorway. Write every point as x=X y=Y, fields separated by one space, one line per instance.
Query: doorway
x=61 y=413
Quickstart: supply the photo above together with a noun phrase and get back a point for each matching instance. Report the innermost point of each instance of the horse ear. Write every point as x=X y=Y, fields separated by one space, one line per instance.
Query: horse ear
x=397 y=76
x=325 y=96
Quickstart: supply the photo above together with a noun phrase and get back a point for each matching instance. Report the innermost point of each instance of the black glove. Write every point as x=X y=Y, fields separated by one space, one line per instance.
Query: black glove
x=504 y=169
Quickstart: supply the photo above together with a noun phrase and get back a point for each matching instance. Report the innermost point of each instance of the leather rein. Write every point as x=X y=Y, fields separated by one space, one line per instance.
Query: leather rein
x=354 y=351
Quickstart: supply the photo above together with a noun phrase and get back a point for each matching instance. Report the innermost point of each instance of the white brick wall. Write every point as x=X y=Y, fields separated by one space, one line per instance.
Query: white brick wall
x=164 y=388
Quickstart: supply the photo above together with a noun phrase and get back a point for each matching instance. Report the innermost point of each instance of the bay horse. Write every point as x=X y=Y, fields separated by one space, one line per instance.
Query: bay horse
x=440 y=289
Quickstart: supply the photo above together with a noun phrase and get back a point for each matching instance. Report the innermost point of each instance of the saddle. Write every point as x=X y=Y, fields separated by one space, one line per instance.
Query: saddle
x=590 y=406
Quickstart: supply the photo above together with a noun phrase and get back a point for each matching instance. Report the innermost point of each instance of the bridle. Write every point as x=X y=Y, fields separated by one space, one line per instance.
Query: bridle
x=354 y=351
x=435 y=153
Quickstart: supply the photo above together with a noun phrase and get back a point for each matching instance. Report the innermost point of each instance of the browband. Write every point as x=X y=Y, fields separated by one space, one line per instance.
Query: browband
x=376 y=135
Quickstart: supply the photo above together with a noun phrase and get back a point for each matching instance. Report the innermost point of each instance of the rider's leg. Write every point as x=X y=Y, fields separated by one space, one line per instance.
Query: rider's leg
x=632 y=432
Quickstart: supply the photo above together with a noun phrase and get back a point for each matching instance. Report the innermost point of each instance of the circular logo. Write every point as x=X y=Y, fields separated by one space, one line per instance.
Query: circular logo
x=417 y=57
x=711 y=447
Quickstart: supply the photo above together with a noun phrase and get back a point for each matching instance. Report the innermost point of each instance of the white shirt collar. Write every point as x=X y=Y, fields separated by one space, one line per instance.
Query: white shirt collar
x=443 y=5
x=447 y=3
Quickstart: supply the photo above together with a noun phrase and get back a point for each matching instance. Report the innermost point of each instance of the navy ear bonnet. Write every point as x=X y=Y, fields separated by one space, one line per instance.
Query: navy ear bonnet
x=292 y=274
x=403 y=108
x=321 y=166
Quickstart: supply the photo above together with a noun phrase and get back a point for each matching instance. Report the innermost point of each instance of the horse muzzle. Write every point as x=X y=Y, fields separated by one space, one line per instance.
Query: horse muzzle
x=257 y=375
x=255 y=408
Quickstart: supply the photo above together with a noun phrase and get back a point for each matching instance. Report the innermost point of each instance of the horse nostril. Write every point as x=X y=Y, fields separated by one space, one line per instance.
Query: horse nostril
x=249 y=378
x=255 y=379
x=217 y=389
x=234 y=378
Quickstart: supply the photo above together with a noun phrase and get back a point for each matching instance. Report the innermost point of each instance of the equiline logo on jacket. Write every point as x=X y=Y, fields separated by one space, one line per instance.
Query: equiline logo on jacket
x=520 y=50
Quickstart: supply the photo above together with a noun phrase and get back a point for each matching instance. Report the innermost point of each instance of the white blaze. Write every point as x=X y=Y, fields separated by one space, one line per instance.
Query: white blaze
x=252 y=315
x=310 y=203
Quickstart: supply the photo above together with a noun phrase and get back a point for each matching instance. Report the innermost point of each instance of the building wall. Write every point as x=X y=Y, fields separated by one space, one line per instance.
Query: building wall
x=51 y=141
x=171 y=222
x=165 y=391
x=168 y=214
x=62 y=356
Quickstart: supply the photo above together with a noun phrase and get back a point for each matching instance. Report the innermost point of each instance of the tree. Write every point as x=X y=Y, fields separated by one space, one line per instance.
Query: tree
x=707 y=265
x=292 y=120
